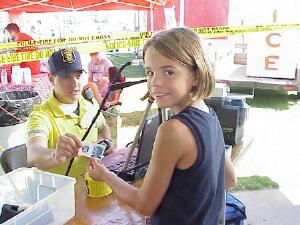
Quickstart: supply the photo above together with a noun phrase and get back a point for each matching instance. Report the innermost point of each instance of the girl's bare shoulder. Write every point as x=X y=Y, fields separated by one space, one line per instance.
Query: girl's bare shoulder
x=174 y=130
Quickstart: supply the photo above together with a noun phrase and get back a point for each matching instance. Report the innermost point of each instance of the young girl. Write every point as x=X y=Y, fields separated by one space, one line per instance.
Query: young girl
x=184 y=183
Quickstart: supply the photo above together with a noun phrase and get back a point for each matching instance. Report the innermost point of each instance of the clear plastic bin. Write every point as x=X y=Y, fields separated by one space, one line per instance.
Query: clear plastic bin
x=50 y=197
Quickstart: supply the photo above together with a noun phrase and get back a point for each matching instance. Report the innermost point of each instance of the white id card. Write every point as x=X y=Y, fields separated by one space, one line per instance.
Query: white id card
x=93 y=150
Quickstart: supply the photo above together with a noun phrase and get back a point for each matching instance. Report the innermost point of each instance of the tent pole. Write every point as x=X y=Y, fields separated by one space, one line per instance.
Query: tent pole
x=71 y=4
x=181 y=18
x=151 y=16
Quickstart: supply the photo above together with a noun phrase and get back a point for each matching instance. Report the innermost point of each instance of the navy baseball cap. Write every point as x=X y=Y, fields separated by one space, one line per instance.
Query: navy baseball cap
x=64 y=61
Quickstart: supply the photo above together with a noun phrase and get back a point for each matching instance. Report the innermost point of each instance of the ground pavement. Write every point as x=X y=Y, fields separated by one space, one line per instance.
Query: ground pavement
x=274 y=152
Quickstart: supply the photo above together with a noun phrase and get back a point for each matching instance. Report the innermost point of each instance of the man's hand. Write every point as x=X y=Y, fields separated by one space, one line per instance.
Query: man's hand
x=67 y=147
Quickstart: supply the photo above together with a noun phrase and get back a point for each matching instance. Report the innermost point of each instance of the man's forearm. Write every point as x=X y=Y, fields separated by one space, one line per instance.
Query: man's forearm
x=41 y=157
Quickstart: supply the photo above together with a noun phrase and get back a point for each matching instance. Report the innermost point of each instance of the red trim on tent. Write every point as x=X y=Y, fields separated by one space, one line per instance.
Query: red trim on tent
x=37 y=6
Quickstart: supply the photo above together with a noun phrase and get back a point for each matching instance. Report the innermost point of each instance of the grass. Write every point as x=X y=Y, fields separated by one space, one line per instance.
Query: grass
x=119 y=59
x=111 y=120
x=273 y=99
x=254 y=183
x=133 y=119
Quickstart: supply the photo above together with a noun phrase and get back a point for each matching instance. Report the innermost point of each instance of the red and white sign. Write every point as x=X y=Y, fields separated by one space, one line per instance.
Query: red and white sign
x=273 y=54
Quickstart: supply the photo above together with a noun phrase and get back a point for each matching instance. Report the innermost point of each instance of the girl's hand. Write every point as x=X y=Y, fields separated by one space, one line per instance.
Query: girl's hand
x=95 y=169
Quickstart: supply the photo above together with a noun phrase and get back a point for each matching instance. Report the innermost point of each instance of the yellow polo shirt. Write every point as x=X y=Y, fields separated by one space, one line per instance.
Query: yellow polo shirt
x=47 y=120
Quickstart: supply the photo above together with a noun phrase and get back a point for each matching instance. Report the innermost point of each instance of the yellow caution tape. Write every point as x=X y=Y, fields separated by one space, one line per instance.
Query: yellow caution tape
x=25 y=56
x=222 y=31
x=83 y=48
x=207 y=32
x=87 y=44
x=73 y=40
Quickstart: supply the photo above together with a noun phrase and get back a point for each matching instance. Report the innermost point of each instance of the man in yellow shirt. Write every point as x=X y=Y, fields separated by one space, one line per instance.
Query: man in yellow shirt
x=56 y=126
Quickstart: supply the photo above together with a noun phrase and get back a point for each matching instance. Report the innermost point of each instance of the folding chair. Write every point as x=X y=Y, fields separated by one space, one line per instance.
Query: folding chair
x=14 y=158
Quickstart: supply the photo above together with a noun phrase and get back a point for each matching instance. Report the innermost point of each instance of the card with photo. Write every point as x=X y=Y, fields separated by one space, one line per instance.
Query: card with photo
x=93 y=150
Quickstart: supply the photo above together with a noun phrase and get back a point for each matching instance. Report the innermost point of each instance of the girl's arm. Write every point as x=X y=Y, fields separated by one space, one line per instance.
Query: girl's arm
x=171 y=149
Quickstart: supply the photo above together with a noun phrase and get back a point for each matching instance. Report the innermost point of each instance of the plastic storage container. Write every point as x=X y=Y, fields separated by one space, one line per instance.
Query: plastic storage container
x=50 y=197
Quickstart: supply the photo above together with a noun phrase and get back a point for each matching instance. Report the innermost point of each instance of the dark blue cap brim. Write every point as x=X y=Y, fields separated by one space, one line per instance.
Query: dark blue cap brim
x=65 y=72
